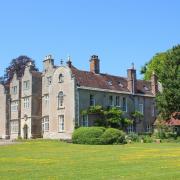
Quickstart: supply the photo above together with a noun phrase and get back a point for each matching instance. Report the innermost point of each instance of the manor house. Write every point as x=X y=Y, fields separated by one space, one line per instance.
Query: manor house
x=48 y=104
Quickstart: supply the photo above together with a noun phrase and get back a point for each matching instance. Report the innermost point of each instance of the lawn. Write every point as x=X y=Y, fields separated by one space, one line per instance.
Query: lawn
x=40 y=159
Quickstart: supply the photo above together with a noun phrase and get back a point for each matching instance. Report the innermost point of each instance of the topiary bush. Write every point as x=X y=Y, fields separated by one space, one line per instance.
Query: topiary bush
x=87 y=135
x=113 y=136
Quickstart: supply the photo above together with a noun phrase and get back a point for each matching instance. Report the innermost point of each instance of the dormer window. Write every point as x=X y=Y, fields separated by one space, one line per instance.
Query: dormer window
x=49 y=79
x=110 y=83
x=120 y=84
x=61 y=78
x=146 y=88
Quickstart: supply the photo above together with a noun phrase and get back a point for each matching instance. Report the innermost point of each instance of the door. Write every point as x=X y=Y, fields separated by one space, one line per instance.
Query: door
x=25 y=131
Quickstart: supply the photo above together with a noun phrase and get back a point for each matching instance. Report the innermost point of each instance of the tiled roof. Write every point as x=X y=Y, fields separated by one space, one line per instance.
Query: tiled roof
x=175 y=119
x=110 y=82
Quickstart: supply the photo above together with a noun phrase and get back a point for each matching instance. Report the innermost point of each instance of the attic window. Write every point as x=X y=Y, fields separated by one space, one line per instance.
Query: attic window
x=120 y=84
x=110 y=83
x=146 y=88
x=61 y=78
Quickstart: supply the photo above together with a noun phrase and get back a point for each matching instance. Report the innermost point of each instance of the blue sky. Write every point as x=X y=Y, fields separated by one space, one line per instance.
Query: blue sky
x=118 y=31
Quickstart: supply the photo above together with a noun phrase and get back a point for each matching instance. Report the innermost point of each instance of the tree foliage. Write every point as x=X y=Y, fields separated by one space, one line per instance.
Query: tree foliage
x=168 y=101
x=17 y=66
x=166 y=66
x=154 y=65
x=108 y=117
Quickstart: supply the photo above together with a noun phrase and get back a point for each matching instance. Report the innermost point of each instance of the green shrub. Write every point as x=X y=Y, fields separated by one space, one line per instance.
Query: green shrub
x=147 y=139
x=133 y=137
x=87 y=135
x=113 y=136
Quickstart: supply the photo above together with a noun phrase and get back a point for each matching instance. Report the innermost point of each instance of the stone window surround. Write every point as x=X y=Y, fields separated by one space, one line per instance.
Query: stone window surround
x=61 y=123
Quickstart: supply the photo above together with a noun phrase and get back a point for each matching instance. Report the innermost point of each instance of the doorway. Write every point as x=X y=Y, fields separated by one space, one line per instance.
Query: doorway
x=25 y=131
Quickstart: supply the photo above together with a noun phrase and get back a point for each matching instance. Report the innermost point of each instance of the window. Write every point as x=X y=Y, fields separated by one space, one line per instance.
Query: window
x=148 y=128
x=46 y=99
x=141 y=110
x=49 y=79
x=45 y=124
x=92 y=100
x=152 y=111
x=14 y=127
x=117 y=101
x=85 y=120
x=26 y=85
x=60 y=99
x=14 y=90
x=61 y=123
x=61 y=78
x=26 y=103
x=130 y=128
x=111 y=100
x=14 y=106
x=124 y=105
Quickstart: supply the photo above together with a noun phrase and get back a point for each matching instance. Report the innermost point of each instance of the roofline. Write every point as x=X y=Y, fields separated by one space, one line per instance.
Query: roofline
x=113 y=91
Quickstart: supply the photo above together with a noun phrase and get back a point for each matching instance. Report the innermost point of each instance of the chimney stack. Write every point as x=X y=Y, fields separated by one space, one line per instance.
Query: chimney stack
x=131 y=74
x=48 y=61
x=154 y=84
x=94 y=64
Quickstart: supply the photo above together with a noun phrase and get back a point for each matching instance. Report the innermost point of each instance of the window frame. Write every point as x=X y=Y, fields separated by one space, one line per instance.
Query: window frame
x=141 y=108
x=124 y=104
x=26 y=103
x=26 y=85
x=118 y=101
x=61 y=124
x=60 y=99
x=85 y=121
x=92 y=101
x=45 y=124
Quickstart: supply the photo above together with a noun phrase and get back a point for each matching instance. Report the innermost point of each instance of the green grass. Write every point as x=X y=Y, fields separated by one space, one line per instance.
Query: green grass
x=38 y=159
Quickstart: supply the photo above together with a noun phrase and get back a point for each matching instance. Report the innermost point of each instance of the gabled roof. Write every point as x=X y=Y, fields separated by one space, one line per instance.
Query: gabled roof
x=110 y=82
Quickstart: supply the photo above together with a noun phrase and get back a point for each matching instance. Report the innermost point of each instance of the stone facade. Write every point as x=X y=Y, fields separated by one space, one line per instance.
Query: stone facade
x=49 y=105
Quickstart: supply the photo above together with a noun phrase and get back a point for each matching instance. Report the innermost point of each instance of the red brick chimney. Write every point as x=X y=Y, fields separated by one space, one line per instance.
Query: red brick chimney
x=154 y=84
x=94 y=64
x=131 y=74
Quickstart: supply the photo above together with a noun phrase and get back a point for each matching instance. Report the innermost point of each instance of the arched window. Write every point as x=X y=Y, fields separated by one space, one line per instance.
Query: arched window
x=60 y=99
x=61 y=78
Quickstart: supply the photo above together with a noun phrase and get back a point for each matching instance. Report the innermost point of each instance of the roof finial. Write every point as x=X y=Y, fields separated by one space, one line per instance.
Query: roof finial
x=61 y=62
x=132 y=64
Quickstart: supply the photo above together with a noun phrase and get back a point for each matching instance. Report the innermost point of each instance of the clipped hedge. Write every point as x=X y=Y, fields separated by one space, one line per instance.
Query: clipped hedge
x=113 y=136
x=87 y=135
x=98 y=135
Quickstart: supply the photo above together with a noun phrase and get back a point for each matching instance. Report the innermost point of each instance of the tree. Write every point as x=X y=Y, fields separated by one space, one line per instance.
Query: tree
x=154 y=65
x=168 y=101
x=18 y=65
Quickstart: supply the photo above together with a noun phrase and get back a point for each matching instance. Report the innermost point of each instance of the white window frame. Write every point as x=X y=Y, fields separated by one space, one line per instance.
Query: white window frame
x=14 y=90
x=61 y=78
x=14 y=127
x=26 y=103
x=141 y=108
x=49 y=80
x=45 y=124
x=61 y=123
x=111 y=100
x=148 y=128
x=26 y=85
x=130 y=128
x=92 y=101
x=60 y=99
x=46 y=99
x=14 y=106
x=124 y=106
x=118 y=101
x=85 y=120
